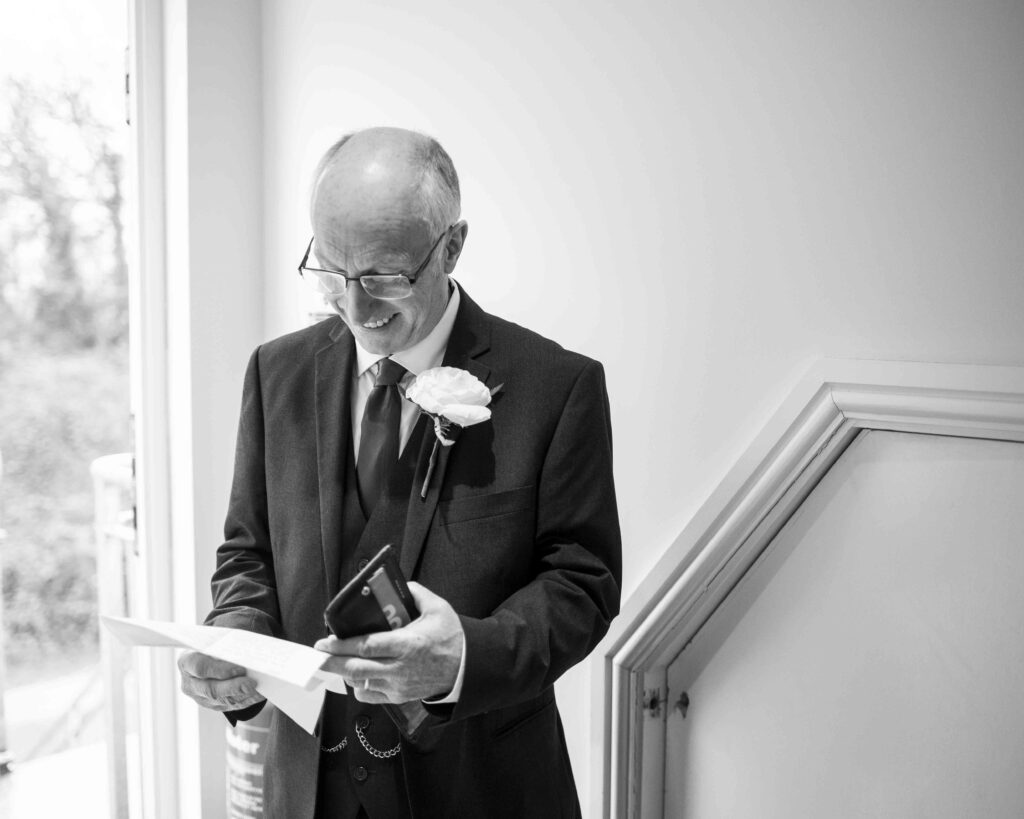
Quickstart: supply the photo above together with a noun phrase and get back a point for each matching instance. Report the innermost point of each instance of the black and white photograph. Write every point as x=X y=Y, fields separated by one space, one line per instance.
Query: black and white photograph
x=538 y=410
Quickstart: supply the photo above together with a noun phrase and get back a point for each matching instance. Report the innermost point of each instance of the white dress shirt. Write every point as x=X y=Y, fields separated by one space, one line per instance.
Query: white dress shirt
x=426 y=353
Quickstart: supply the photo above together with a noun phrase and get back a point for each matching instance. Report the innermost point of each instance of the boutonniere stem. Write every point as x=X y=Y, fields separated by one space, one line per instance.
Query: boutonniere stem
x=430 y=469
x=453 y=399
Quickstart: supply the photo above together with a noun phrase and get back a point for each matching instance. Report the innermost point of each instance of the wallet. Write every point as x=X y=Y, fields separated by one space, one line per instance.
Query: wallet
x=376 y=599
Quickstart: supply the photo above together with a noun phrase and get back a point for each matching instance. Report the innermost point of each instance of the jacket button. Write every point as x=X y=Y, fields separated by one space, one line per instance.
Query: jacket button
x=363 y=564
x=359 y=774
x=362 y=723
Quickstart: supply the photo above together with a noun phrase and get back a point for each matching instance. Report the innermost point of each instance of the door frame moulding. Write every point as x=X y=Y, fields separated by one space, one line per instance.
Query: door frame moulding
x=829 y=407
x=157 y=684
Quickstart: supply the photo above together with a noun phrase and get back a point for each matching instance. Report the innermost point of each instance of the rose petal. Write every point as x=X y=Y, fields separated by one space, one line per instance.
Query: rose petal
x=439 y=387
x=419 y=394
x=465 y=415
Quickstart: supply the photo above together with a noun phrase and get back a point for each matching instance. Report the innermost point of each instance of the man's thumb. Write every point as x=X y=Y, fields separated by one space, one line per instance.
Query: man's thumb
x=424 y=598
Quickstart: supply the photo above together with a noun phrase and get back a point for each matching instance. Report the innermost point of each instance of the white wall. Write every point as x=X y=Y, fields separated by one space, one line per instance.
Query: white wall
x=703 y=196
x=870 y=664
x=720 y=194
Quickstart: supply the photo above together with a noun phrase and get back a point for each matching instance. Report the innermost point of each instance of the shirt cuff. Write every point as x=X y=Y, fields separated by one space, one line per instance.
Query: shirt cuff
x=453 y=697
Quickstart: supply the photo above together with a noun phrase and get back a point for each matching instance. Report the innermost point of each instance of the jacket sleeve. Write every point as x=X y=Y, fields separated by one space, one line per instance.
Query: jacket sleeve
x=244 y=589
x=557 y=618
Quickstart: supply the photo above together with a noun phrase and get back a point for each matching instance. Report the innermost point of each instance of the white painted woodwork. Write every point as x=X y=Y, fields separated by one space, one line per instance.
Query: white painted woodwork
x=871 y=663
x=811 y=429
x=196 y=315
x=147 y=266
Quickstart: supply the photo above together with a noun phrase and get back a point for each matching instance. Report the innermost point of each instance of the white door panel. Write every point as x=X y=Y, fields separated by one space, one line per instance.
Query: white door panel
x=872 y=662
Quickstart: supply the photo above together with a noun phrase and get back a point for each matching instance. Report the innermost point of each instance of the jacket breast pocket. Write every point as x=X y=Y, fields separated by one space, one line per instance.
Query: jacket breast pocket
x=478 y=507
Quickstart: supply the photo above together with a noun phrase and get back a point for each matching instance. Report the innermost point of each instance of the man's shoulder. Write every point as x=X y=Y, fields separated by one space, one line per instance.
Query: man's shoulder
x=519 y=347
x=516 y=340
x=300 y=344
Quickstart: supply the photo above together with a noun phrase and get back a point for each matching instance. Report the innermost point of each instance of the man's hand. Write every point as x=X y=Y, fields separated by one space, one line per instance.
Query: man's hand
x=216 y=684
x=416 y=662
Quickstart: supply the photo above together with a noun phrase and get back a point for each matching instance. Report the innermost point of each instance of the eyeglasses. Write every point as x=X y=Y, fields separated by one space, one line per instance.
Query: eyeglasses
x=389 y=286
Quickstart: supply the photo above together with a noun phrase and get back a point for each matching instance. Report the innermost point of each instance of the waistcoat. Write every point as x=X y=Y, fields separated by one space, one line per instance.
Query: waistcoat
x=354 y=777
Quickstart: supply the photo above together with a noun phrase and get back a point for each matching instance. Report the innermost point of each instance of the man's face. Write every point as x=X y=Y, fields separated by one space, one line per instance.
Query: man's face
x=385 y=246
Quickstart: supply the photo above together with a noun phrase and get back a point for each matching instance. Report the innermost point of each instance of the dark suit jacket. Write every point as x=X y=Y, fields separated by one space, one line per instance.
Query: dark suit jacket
x=518 y=531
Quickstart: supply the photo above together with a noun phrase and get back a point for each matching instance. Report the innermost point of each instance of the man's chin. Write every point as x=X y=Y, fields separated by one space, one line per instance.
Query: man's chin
x=378 y=341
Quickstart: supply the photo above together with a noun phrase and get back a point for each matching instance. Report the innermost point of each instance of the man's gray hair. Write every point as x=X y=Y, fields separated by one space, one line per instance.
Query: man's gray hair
x=439 y=183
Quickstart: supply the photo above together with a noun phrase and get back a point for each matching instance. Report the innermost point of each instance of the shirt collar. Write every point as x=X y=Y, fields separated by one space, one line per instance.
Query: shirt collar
x=427 y=352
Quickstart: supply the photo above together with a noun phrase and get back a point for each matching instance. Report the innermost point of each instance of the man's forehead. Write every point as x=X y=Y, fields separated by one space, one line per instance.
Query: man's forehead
x=366 y=207
x=400 y=232
x=370 y=246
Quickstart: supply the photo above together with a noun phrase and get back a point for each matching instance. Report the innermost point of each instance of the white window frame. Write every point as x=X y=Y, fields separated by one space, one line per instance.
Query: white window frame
x=148 y=360
x=196 y=262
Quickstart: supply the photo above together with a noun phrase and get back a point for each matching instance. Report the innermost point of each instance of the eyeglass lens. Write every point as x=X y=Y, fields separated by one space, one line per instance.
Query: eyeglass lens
x=380 y=287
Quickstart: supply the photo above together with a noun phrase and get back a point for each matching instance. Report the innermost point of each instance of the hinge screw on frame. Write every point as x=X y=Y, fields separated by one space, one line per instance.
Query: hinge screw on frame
x=652 y=702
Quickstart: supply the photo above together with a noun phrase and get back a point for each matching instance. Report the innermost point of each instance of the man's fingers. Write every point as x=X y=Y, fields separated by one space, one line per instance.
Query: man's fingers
x=221 y=695
x=206 y=667
x=235 y=706
x=226 y=691
x=380 y=644
x=375 y=691
x=231 y=703
x=328 y=644
x=358 y=669
x=335 y=665
x=370 y=696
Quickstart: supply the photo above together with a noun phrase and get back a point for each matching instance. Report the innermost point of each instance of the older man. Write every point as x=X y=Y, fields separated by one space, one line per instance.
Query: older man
x=512 y=536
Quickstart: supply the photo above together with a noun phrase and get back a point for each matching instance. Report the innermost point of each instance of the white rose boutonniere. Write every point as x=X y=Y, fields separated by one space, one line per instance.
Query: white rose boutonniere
x=453 y=399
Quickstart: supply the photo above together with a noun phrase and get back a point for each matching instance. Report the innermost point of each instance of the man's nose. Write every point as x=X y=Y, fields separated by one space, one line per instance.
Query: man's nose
x=359 y=304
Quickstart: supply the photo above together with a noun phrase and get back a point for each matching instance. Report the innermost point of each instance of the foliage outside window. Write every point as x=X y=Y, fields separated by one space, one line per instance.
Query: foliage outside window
x=63 y=361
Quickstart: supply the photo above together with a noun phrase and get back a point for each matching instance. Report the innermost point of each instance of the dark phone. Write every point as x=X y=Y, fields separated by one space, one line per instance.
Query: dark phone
x=376 y=599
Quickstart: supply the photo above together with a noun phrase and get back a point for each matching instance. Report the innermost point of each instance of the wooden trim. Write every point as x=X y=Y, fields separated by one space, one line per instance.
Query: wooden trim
x=826 y=410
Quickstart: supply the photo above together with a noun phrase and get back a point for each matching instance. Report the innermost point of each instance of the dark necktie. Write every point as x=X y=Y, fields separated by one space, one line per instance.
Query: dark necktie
x=378 y=441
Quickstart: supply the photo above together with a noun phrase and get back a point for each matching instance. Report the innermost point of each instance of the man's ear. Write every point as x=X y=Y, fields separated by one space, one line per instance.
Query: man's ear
x=453 y=248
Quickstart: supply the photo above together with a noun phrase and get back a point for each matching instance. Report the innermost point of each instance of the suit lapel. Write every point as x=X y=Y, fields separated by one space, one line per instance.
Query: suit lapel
x=470 y=337
x=334 y=365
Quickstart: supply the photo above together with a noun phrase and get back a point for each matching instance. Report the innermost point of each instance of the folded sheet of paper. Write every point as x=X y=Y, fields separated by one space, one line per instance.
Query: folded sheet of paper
x=287 y=674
